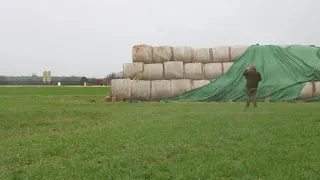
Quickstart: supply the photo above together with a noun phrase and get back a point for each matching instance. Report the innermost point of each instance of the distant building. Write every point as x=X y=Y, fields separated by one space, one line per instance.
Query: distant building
x=36 y=80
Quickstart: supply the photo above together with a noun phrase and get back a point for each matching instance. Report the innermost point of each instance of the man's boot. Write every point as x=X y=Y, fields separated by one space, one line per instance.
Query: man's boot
x=248 y=102
x=255 y=101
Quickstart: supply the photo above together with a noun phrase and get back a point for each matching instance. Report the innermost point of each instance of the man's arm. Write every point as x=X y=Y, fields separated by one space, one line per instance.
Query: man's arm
x=245 y=73
x=260 y=78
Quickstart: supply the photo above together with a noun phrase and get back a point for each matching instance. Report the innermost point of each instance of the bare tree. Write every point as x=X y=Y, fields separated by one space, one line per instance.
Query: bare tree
x=114 y=75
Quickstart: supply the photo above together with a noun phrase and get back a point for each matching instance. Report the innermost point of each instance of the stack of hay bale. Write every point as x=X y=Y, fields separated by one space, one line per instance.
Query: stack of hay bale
x=163 y=71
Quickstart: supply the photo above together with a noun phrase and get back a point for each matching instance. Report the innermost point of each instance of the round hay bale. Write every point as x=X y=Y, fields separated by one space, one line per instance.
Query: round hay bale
x=179 y=86
x=203 y=55
x=183 y=53
x=160 y=89
x=199 y=83
x=307 y=91
x=317 y=89
x=133 y=70
x=212 y=71
x=193 y=71
x=173 y=70
x=120 y=89
x=142 y=53
x=221 y=54
x=283 y=46
x=226 y=66
x=236 y=52
x=153 y=71
x=141 y=90
x=162 y=54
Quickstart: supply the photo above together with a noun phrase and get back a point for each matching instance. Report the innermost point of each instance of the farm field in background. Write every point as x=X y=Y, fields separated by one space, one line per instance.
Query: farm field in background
x=55 y=90
x=73 y=133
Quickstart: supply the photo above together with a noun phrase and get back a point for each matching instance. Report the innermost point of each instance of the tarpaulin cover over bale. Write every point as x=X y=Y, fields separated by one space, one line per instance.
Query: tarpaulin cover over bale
x=285 y=73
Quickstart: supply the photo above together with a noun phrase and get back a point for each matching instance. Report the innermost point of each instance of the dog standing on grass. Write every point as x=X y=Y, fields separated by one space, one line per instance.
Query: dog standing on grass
x=253 y=78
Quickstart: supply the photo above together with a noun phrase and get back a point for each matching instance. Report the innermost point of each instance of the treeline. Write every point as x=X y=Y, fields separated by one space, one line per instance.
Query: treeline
x=64 y=80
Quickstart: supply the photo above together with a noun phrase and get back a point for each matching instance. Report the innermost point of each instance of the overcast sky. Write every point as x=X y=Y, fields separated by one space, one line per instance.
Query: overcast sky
x=94 y=37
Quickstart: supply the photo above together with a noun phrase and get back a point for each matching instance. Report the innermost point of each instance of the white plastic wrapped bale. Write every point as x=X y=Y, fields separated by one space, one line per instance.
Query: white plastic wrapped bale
x=153 y=71
x=193 y=71
x=142 y=53
x=173 y=70
x=203 y=55
x=183 y=53
x=160 y=89
x=133 y=70
x=221 y=54
x=162 y=54
x=199 y=83
x=317 y=89
x=236 y=52
x=226 y=66
x=212 y=71
x=308 y=91
x=121 y=89
x=141 y=90
x=283 y=46
x=179 y=86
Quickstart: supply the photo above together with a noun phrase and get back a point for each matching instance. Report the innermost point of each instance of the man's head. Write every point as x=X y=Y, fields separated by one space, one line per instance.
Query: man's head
x=252 y=68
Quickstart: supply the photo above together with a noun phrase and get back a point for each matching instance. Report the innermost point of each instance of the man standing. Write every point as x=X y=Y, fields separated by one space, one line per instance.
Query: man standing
x=253 y=78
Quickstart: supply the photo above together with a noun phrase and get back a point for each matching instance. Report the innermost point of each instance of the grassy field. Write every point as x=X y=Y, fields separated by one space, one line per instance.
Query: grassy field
x=72 y=133
x=54 y=91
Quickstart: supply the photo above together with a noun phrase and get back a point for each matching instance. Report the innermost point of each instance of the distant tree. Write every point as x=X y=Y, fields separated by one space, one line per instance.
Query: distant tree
x=112 y=76
x=115 y=75
x=94 y=81
x=34 y=75
x=3 y=80
x=120 y=74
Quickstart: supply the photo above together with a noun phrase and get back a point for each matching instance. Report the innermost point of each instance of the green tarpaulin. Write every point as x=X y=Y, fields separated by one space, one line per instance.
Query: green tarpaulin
x=284 y=72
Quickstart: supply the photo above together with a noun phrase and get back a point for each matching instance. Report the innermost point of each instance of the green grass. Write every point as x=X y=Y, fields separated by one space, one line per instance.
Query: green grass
x=51 y=91
x=84 y=137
